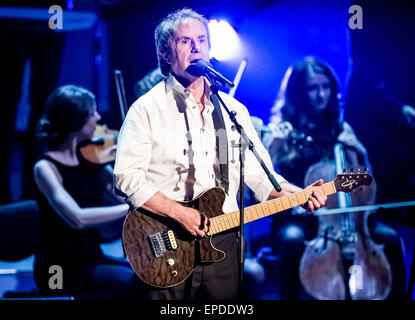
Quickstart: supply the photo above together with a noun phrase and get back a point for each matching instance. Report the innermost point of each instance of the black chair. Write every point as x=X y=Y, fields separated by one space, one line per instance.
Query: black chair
x=19 y=233
x=19 y=237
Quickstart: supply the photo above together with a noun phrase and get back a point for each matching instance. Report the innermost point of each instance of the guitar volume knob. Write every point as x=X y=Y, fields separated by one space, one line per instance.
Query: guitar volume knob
x=170 y=262
x=174 y=273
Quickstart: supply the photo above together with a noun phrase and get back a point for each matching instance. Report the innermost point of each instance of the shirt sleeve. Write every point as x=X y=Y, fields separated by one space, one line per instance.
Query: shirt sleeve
x=133 y=158
x=255 y=176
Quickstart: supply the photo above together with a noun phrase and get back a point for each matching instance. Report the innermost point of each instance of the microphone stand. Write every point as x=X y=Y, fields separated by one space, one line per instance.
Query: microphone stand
x=244 y=143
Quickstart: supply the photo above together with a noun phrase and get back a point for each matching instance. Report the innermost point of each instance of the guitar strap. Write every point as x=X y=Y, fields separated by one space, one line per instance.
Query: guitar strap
x=221 y=142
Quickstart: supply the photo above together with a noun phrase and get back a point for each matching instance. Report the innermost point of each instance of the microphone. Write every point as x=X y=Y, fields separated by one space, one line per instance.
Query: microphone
x=204 y=68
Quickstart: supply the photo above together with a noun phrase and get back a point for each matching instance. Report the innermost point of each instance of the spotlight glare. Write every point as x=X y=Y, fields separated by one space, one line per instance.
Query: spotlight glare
x=224 y=40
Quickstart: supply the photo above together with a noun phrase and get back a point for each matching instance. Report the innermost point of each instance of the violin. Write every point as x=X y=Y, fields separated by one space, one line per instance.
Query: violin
x=100 y=149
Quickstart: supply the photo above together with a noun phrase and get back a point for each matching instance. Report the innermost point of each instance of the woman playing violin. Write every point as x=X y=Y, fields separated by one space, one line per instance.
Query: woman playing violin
x=70 y=197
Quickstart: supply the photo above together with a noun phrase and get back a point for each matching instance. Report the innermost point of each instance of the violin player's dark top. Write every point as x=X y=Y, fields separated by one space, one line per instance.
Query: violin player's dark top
x=60 y=243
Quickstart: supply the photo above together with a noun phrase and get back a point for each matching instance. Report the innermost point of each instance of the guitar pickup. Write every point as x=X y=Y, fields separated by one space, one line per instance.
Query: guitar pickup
x=161 y=242
x=157 y=244
x=171 y=240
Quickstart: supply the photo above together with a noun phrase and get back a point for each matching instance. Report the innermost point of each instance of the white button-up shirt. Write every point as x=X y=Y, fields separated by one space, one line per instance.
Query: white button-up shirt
x=166 y=144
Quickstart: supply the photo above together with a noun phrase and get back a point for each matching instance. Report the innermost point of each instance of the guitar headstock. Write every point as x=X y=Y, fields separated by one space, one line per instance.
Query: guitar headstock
x=347 y=182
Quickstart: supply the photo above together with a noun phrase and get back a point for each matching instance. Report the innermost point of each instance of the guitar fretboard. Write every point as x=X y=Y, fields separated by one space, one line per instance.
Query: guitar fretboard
x=231 y=219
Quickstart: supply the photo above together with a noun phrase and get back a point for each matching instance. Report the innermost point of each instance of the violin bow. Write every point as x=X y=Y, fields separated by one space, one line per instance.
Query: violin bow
x=119 y=82
x=238 y=76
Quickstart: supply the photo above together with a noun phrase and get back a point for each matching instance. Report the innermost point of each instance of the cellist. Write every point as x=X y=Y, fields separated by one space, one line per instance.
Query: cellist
x=305 y=124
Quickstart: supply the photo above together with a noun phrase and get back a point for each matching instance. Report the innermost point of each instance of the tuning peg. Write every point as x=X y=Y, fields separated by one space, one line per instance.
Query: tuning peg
x=358 y=170
x=366 y=169
x=344 y=170
x=351 y=170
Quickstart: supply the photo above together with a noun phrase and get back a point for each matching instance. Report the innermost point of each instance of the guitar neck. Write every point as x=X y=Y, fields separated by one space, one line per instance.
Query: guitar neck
x=231 y=219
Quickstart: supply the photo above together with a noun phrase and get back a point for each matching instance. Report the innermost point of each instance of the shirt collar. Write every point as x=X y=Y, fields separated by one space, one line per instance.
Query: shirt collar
x=173 y=84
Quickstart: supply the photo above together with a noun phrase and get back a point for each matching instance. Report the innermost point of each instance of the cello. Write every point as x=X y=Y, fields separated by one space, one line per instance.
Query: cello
x=343 y=262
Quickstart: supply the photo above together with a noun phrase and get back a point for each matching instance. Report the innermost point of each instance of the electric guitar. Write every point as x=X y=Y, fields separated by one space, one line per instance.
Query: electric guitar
x=163 y=254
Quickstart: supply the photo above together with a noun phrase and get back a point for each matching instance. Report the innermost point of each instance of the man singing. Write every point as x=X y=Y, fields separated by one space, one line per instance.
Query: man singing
x=167 y=152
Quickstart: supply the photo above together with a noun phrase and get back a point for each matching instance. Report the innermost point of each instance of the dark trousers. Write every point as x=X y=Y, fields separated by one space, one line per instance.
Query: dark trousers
x=215 y=281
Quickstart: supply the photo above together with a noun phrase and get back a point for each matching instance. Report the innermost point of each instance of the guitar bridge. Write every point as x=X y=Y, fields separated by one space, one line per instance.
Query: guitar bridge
x=161 y=242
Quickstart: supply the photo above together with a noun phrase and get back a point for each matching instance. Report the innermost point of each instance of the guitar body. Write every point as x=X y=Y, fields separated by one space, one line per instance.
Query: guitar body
x=163 y=254
x=145 y=234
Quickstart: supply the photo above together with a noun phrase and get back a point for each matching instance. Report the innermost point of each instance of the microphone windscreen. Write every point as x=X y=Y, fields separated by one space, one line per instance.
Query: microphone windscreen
x=198 y=68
